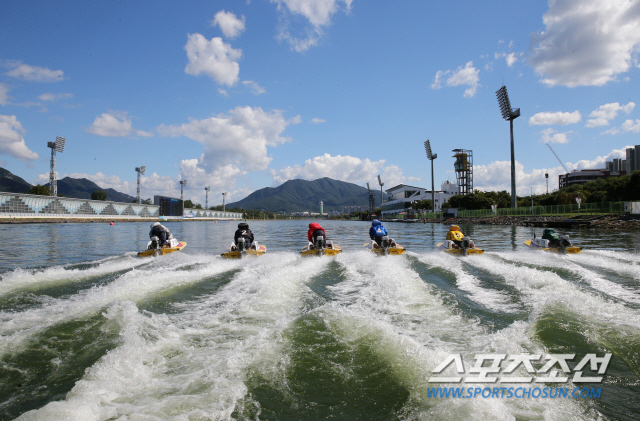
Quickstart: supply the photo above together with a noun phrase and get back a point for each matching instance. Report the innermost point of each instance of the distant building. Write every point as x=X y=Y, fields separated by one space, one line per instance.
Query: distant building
x=633 y=159
x=613 y=168
x=402 y=196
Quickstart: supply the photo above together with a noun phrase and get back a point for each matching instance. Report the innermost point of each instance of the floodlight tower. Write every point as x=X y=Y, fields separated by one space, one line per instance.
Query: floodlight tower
x=140 y=171
x=206 y=202
x=546 y=175
x=183 y=184
x=372 y=200
x=224 y=194
x=381 y=184
x=509 y=114
x=57 y=146
x=431 y=157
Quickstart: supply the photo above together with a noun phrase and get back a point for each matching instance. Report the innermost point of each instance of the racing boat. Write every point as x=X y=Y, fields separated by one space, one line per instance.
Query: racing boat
x=387 y=246
x=154 y=248
x=240 y=250
x=465 y=248
x=321 y=248
x=565 y=246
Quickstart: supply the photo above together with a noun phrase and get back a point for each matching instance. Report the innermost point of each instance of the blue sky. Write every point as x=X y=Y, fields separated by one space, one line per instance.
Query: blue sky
x=240 y=95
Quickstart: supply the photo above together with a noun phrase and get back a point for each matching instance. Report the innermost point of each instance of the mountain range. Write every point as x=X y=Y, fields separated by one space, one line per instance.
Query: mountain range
x=79 y=188
x=303 y=195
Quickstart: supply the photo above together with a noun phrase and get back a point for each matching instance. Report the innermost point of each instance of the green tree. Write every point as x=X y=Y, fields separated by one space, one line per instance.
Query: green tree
x=38 y=189
x=188 y=204
x=99 y=195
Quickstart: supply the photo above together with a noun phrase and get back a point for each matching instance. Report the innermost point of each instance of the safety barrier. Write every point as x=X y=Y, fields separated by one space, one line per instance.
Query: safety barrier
x=602 y=208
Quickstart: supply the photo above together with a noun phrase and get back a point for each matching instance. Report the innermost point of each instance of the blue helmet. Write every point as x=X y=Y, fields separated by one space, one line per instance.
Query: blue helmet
x=375 y=223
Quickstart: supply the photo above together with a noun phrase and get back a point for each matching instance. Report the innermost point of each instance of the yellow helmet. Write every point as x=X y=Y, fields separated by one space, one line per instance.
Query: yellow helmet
x=454 y=228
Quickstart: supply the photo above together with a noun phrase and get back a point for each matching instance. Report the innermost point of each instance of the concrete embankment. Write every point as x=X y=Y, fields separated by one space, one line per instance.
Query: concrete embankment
x=625 y=222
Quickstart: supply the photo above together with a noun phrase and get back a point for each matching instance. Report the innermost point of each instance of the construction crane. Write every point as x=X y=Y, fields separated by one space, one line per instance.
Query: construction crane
x=558 y=158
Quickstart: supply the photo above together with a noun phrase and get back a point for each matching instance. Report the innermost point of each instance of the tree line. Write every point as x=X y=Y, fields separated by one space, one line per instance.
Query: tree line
x=611 y=189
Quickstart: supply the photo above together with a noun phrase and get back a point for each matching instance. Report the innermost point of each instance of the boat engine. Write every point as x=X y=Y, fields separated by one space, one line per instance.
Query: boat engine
x=319 y=242
x=564 y=243
x=465 y=244
x=154 y=243
x=241 y=245
x=384 y=245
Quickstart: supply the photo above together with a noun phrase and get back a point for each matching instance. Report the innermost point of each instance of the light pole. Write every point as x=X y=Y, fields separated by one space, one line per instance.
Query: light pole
x=57 y=146
x=183 y=184
x=547 y=177
x=509 y=114
x=223 y=196
x=381 y=184
x=140 y=171
x=206 y=201
x=431 y=157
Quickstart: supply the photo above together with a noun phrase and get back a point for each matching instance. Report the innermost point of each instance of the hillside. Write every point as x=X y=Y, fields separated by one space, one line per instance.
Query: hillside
x=79 y=188
x=303 y=195
x=12 y=183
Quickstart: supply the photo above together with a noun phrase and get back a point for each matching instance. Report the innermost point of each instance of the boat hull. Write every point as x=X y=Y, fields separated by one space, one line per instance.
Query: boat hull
x=163 y=251
x=327 y=251
x=239 y=255
x=474 y=250
x=570 y=250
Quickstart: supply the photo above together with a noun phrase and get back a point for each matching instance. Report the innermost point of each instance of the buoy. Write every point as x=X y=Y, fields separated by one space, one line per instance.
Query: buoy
x=111 y=223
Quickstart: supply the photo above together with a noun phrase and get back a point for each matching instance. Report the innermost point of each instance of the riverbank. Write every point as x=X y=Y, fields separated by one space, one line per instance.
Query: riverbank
x=623 y=222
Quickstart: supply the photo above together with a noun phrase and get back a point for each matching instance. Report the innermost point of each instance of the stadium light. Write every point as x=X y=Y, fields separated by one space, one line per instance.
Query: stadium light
x=206 y=203
x=183 y=184
x=224 y=194
x=57 y=146
x=509 y=114
x=140 y=171
x=431 y=157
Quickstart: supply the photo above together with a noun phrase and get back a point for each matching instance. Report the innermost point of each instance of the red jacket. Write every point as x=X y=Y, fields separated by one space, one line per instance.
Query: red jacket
x=312 y=227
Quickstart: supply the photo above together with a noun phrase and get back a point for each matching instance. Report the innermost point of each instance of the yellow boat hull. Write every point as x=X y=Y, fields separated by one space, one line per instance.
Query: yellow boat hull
x=238 y=255
x=570 y=250
x=473 y=250
x=163 y=251
x=398 y=249
x=327 y=251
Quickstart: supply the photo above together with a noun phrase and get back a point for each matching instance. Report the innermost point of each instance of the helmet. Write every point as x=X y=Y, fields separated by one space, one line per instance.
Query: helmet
x=243 y=225
x=454 y=228
x=375 y=223
x=549 y=231
x=155 y=224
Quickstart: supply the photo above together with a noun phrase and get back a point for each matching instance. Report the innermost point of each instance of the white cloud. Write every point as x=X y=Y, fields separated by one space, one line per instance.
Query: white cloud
x=33 y=73
x=255 y=88
x=229 y=24
x=509 y=58
x=213 y=58
x=344 y=168
x=550 y=135
x=4 y=94
x=11 y=140
x=467 y=75
x=497 y=177
x=54 y=97
x=627 y=126
x=318 y=120
x=559 y=118
x=234 y=143
x=316 y=12
x=599 y=161
x=608 y=112
x=587 y=42
x=115 y=124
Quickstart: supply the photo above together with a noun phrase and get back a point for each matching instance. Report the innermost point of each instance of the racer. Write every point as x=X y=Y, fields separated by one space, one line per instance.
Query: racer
x=377 y=231
x=455 y=235
x=315 y=233
x=244 y=232
x=162 y=232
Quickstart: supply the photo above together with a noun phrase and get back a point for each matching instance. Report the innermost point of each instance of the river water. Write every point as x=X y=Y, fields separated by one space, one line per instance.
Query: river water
x=89 y=331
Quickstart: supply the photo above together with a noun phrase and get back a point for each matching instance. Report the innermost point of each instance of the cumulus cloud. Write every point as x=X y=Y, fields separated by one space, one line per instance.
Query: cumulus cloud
x=229 y=24
x=627 y=126
x=586 y=43
x=509 y=58
x=497 y=177
x=317 y=14
x=54 y=97
x=344 y=168
x=550 y=135
x=318 y=120
x=23 y=71
x=115 y=124
x=599 y=161
x=255 y=88
x=234 y=143
x=467 y=75
x=4 y=94
x=608 y=112
x=11 y=140
x=559 y=118
x=213 y=58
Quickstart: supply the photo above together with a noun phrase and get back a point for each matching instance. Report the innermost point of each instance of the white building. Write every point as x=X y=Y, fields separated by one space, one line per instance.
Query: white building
x=402 y=196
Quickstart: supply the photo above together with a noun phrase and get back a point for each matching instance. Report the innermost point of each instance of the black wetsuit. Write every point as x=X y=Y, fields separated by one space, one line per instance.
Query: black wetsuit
x=162 y=233
x=244 y=233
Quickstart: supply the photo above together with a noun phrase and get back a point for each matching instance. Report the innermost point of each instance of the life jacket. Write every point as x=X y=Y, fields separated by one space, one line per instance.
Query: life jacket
x=314 y=226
